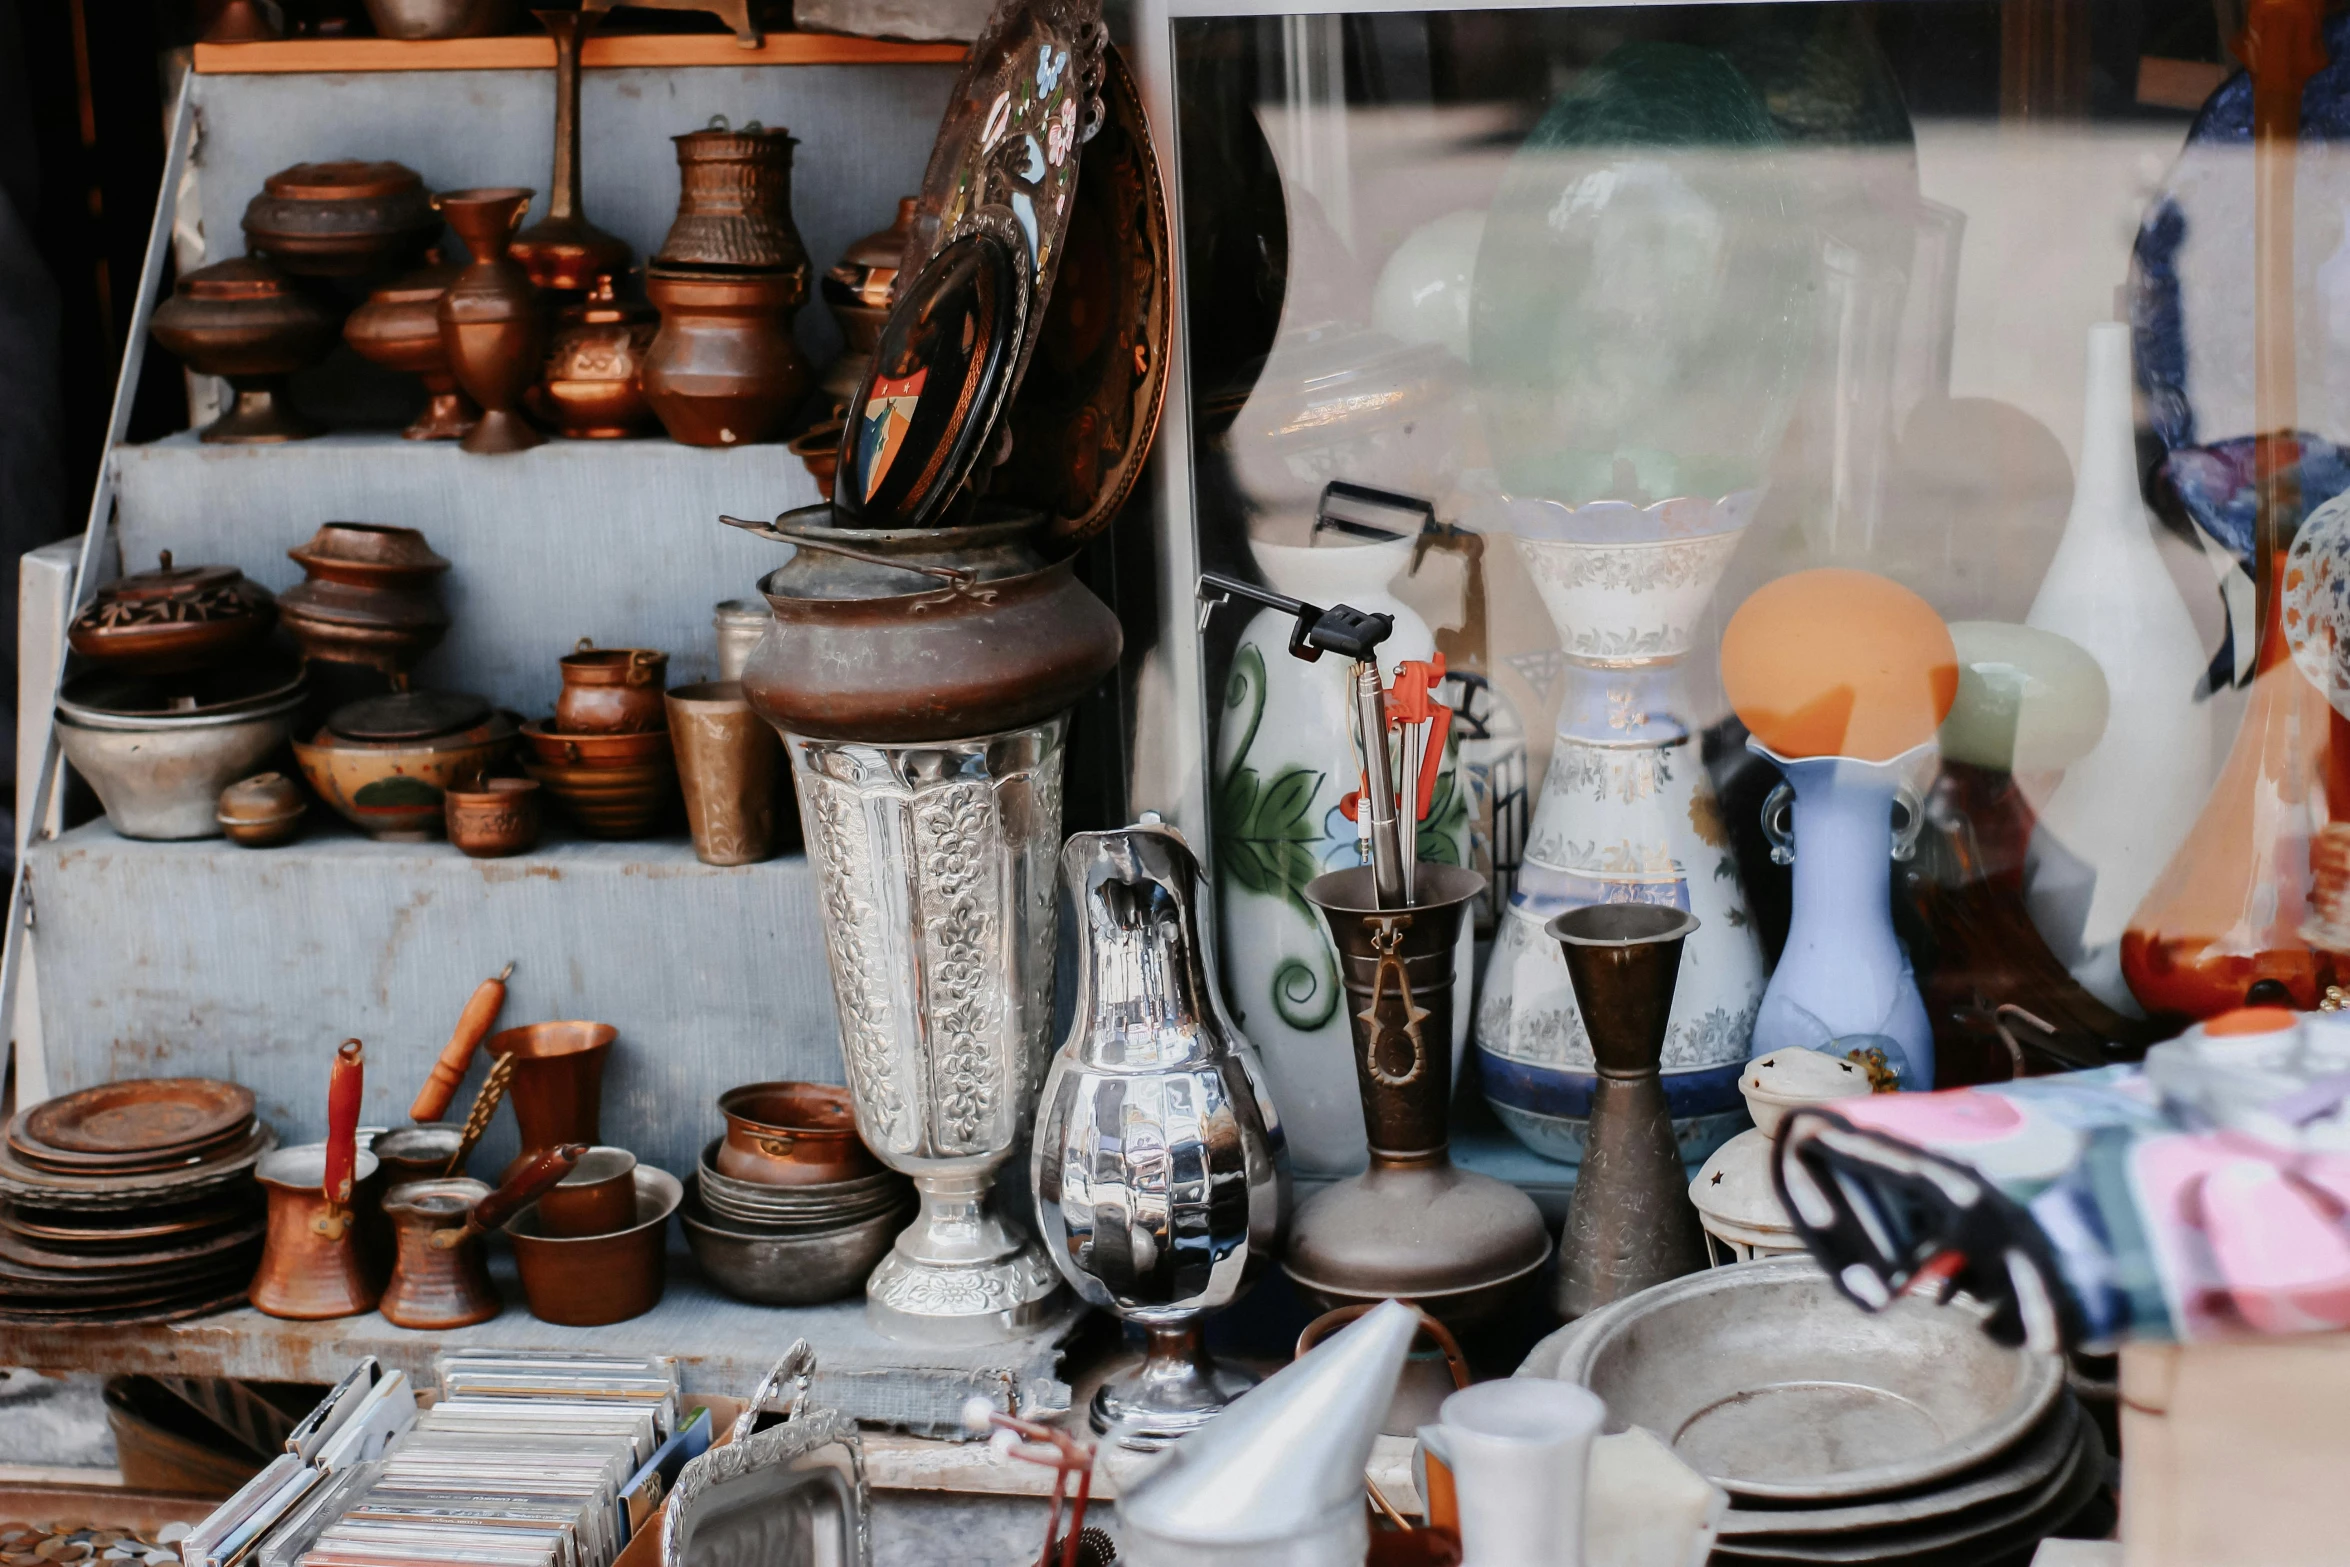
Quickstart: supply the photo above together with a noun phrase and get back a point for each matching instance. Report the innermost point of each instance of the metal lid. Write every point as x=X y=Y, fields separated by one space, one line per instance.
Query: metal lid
x=196 y=586
x=931 y=401
x=103 y=694
x=345 y=179
x=408 y=715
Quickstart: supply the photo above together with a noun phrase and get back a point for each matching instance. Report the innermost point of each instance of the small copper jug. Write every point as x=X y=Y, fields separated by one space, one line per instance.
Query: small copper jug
x=441 y=1278
x=316 y=1262
x=612 y=691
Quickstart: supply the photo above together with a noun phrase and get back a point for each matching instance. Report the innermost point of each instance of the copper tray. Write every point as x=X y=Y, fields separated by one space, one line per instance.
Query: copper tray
x=42 y=1157
x=1084 y=417
x=120 y=1193
x=146 y=1115
x=27 y=1254
x=42 y=1227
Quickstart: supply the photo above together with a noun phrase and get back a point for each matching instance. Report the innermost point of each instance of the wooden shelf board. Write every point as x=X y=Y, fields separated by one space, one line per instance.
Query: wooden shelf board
x=524 y=53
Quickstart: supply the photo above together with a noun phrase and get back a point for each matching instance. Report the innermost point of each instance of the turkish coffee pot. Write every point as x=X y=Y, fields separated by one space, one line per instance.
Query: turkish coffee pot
x=316 y=1261
x=441 y=1275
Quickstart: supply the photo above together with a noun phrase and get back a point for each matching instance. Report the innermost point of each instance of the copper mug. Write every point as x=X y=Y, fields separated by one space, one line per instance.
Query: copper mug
x=441 y=1278
x=791 y=1134
x=598 y=1196
x=611 y=690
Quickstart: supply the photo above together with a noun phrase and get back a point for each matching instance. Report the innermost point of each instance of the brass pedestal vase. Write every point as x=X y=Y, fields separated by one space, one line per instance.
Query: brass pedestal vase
x=1466 y=1248
x=1630 y=1223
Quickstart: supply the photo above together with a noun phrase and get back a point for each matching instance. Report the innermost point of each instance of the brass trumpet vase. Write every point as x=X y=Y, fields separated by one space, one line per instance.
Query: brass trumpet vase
x=1464 y=1247
x=1630 y=1223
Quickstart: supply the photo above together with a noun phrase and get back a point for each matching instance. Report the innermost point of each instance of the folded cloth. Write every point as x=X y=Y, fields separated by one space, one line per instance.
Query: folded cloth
x=2203 y=1195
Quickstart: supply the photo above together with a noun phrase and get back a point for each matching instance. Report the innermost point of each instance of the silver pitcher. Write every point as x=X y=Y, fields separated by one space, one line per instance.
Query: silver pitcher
x=934 y=863
x=1157 y=1164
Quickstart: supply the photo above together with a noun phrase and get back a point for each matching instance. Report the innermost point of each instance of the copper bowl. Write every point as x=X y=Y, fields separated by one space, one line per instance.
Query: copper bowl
x=554 y=748
x=791 y=1134
x=586 y=1281
x=611 y=802
x=341 y=219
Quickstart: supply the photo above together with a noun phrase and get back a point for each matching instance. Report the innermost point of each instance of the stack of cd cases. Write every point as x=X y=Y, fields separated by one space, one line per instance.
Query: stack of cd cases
x=525 y=1460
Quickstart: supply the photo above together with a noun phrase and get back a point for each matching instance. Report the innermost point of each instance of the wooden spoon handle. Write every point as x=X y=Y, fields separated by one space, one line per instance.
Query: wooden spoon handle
x=473 y=1026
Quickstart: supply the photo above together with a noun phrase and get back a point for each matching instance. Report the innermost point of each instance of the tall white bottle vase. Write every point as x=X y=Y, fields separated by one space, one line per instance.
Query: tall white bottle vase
x=2118 y=815
x=1283 y=763
x=1626 y=814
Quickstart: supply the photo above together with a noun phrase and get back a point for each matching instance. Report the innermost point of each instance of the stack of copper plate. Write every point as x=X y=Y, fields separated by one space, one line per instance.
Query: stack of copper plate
x=130 y=1202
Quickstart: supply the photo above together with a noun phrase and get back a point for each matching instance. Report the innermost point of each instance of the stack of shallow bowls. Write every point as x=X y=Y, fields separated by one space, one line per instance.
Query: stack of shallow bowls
x=792 y=1245
x=610 y=785
x=1902 y=1436
x=130 y=1202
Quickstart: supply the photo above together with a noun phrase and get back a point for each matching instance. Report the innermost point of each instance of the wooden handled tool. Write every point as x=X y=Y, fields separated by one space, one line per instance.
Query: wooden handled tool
x=343 y=1091
x=473 y=1026
x=546 y=1167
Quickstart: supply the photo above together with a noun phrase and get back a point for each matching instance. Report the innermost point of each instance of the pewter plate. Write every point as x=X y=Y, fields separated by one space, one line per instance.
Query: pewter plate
x=1766 y=1380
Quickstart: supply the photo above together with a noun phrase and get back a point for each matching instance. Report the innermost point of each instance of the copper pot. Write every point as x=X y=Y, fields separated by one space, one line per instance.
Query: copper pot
x=494 y=818
x=723 y=369
x=315 y=1259
x=347 y=218
x=368 y=596
x=173 y=618
x=791 y=1134
x=400 y=328
x=245 y=320
x=589 y=390
x=558 y=1086
x=734 y=203
x=589 y=1280
x=492 y=325
x=729 y=768
x=858 y=289
x=440 y=1276
x=611 y=690
x=898 y=636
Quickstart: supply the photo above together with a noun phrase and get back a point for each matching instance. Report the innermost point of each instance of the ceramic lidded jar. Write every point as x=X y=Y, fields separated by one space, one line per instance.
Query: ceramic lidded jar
x=723 y=369
x=399 y=327
x=246 y=321
x=589 y=389
x=858 y=289
x=491 y=320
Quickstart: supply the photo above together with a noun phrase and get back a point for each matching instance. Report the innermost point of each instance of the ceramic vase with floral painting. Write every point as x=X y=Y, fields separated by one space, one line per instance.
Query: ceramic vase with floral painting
x=1283 y=764
x=1625 y=815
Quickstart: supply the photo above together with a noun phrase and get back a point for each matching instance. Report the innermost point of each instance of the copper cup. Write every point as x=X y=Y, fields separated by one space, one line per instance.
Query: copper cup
x=494 y=817
x=598 y=1197
x=791 y=1134
x=558 y=1087
x=730 y=765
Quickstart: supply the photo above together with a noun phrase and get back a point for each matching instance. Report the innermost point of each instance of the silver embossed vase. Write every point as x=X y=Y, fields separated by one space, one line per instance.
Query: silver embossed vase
x=1157 y=1162
x=1625 y=815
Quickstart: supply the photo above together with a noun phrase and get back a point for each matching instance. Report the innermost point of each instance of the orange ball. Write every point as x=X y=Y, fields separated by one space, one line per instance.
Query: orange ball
x=1839 y=663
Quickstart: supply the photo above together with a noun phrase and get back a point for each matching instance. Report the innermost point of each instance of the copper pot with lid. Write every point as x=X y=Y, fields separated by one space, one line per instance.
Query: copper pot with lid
x=173 y=618
x=245 y=320
x=734 y=203
x=369 y=595
x=590 y=388
x=901 y=635
x=345 y=218
x=399 y=327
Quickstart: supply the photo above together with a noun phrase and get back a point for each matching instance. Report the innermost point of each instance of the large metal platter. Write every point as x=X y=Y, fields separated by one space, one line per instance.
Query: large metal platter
x=140 y=1116
x=1085 y=415
x=124 y=1193
x=1771 y=1384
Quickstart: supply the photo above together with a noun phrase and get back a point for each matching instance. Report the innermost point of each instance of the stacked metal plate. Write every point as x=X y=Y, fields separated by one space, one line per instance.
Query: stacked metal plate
x=1904 y=1436
x=792 y=1245
x=130 y=1202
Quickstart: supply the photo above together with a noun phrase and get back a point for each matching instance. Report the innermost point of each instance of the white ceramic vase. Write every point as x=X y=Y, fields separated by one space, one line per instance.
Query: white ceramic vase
x=1283 y=745
x=1626 y=815
x=2114 y=821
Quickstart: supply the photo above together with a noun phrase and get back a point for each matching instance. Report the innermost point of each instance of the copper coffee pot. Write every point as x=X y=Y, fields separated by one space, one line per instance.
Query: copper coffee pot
x=315 y=1260
x=441 y=1279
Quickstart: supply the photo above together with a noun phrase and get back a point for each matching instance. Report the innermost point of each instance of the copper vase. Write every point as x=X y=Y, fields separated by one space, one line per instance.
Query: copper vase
x=723 y=369
x=563 y=249
x=589 y=390
x=858 y=289
x=558 y=1086
x=1464 y=1247
x=246 y=321
x=400 y=328
x=734 y=204
x=491 y=325
x=1630 y=1223
x=730 y=765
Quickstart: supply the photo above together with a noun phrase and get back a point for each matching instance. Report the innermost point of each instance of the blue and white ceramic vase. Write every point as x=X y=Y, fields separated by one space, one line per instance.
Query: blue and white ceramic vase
x=1626 y=815
x=1283 y=749
x=1844 y=977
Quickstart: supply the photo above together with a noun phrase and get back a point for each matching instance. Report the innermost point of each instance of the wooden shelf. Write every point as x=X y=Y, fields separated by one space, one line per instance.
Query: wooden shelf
x=524 y=53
